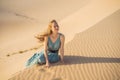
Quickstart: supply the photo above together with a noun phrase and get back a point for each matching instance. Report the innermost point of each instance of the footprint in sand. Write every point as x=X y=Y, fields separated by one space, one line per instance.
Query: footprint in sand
x=23 y=51
x=46 y=71
x=50 y=72
x=42 y=70
x=59 y=78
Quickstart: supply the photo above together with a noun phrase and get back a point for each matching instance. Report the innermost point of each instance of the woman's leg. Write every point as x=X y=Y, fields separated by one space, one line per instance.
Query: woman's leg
x=41 y=59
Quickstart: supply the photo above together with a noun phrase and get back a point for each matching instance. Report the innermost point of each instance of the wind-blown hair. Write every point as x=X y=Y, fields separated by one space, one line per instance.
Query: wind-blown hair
x=47 y=32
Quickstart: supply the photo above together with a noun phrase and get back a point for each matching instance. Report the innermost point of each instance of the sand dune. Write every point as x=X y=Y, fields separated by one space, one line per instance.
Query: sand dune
x=44 y=10
x=20 y=18
x=91 y=55
x=87 y=16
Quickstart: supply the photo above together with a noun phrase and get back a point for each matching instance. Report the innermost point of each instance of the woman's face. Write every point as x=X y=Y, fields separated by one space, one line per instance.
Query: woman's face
x=55 y=27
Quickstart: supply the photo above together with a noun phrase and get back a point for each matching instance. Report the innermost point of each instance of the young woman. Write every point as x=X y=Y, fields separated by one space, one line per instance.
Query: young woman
x=53 y=44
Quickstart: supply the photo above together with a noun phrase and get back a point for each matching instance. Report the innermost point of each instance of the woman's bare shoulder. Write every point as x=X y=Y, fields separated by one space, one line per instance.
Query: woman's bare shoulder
x=62 y=36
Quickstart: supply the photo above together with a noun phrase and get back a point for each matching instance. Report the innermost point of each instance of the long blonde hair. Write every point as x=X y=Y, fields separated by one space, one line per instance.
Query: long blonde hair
x=47 y=32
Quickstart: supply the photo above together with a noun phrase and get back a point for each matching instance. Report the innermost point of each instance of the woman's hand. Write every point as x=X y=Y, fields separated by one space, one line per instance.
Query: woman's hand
x=47 y=65
x=62 y=61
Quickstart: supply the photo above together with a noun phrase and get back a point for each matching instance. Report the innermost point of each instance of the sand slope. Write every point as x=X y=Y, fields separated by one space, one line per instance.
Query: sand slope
x=91 y=55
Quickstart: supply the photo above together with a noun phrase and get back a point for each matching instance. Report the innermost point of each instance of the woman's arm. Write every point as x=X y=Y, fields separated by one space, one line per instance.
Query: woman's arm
x=62 y=38
x=45 y=52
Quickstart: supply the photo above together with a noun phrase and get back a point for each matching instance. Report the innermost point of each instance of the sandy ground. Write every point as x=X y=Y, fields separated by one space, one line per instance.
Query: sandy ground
x=91 y=55
x=92 y=35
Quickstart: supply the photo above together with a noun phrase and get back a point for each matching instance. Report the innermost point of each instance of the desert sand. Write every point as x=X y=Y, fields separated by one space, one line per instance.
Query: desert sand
x=91 y=55
x=92 y=32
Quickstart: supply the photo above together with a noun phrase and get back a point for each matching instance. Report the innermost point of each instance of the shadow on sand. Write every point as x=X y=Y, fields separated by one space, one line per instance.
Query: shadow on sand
x=69 y=60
